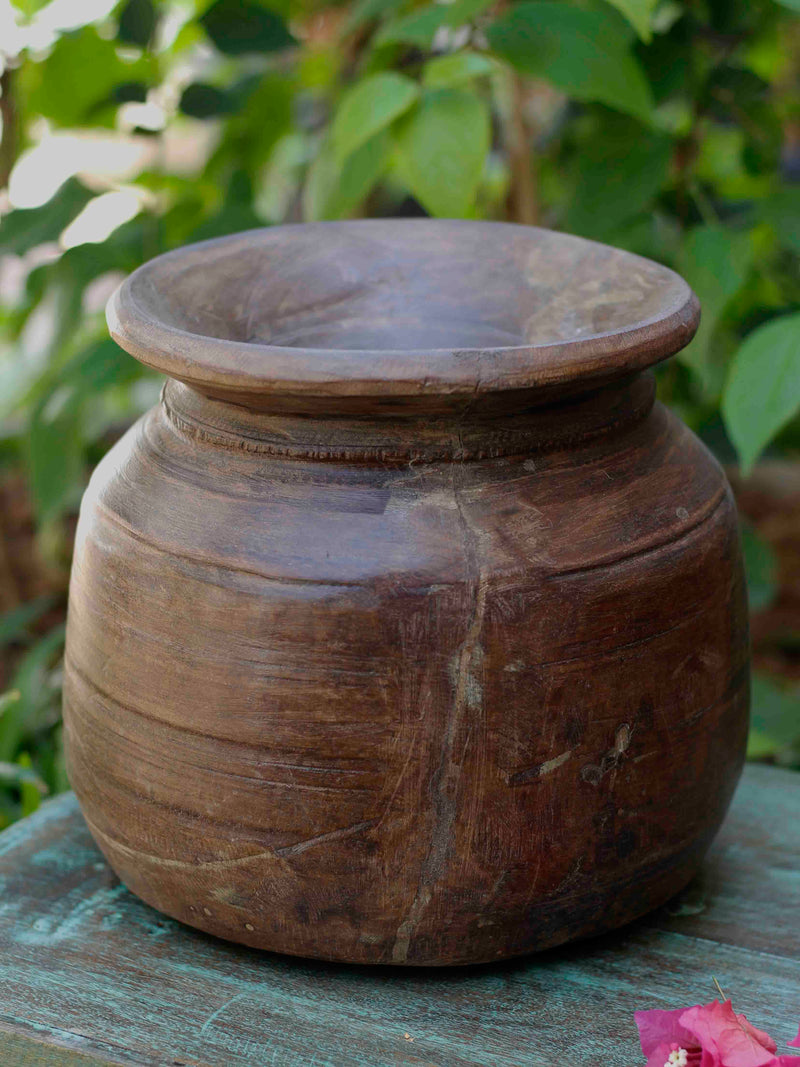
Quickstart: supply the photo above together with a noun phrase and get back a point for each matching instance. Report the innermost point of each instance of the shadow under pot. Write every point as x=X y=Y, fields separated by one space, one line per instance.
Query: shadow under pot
x=407 y=628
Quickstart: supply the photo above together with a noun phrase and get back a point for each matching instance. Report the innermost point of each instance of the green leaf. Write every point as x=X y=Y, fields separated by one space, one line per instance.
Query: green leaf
x=9 y=699
x=763 y=389
x=617 y=175
x=334 y=190
x=579 y=51
x=462 y=11
x=31 y=682
x=761 y=566
x=236 y=213
x=268 y=109
x=129 y=92
x=61 y=285
x=26 y=228
x=781 y=210
x=137 y=22
x=420 y=27
x=716 y=263
x=760 y=746
x=29 y=7
x=775 y=718
x=95 y=368
x=14 y=624
x=55 y=459
x=793 y=5
x=442 y=148
x=92 y=369
x=231 y=218
x=639 y=13
x=80 y=73
x=456 y=69
x=368 y=11
x=369 y=107
x=238 y=26
x=31 y=786
x=22 y=775
x=200 y=100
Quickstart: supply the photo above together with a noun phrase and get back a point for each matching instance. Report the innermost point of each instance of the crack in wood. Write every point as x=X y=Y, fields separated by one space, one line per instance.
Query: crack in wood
x=445 y=778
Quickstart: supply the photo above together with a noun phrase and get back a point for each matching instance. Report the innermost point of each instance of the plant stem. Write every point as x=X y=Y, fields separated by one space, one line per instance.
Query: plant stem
x=524 y=191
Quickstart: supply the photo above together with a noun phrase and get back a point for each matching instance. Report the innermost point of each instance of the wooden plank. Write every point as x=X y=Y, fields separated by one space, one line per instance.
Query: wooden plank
x=87 y=971
x=38 y=1047
x=750 y=894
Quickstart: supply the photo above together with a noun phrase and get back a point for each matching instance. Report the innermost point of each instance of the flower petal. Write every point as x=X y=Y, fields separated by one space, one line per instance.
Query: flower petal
x=796 y=1042
x=728 y=1038
x=662 y=1028
x=760 y=1036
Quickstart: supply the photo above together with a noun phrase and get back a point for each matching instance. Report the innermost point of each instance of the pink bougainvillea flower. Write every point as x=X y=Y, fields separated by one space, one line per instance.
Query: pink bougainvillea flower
x=728 y=1037
x=796 y=1042
x=665 y=1042
x=707 y=1035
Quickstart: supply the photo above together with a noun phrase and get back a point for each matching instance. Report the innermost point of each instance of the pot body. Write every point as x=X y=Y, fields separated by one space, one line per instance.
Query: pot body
x=407 y=692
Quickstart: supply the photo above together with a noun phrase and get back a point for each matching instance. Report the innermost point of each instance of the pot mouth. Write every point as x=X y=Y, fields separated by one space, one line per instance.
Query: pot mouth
x=400 y=308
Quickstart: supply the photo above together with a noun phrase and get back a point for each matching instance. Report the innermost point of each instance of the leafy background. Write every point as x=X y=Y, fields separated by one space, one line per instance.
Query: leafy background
x=667 y=127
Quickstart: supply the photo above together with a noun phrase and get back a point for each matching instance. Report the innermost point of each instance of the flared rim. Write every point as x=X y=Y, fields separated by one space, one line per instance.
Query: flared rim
x=146 y=316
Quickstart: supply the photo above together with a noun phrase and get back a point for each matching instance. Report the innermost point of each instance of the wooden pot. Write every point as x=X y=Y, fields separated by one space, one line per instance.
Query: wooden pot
x=407 y=628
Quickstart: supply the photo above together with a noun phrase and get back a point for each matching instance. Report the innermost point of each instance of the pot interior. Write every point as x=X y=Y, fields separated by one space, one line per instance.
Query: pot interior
x=404 y=285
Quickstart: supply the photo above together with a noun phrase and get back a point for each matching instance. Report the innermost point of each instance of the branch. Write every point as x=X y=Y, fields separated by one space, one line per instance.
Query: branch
x=524 y=192
x=8 y=111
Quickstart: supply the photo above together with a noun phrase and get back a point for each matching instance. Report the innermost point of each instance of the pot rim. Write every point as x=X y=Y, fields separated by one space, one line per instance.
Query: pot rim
x=228 y=366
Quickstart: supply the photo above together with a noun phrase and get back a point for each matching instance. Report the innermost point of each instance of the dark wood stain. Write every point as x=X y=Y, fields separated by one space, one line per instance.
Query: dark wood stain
x=407 y=628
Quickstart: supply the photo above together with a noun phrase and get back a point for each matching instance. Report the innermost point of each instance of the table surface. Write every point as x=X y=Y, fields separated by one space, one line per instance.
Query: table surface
x=89 y=975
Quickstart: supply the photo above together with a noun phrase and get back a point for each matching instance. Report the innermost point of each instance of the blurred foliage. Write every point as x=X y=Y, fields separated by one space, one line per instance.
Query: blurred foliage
x=667 y=127
x=773 y=732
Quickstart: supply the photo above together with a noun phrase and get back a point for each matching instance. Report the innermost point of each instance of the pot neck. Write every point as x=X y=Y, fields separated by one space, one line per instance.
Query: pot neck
x=470 y=434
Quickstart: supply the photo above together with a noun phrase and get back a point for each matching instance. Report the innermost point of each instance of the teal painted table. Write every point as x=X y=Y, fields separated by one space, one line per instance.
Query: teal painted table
x=89 y=975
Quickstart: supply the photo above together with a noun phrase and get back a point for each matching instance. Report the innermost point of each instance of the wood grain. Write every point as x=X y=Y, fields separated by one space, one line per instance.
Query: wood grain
x=87 y=970
x=382 y=668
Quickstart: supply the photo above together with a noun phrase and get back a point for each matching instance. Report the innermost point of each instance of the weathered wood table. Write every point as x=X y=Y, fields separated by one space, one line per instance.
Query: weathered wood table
x=89 y=975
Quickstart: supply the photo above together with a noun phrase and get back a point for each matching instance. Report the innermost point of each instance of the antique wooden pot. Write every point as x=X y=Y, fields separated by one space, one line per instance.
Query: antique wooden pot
x=407 y=628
